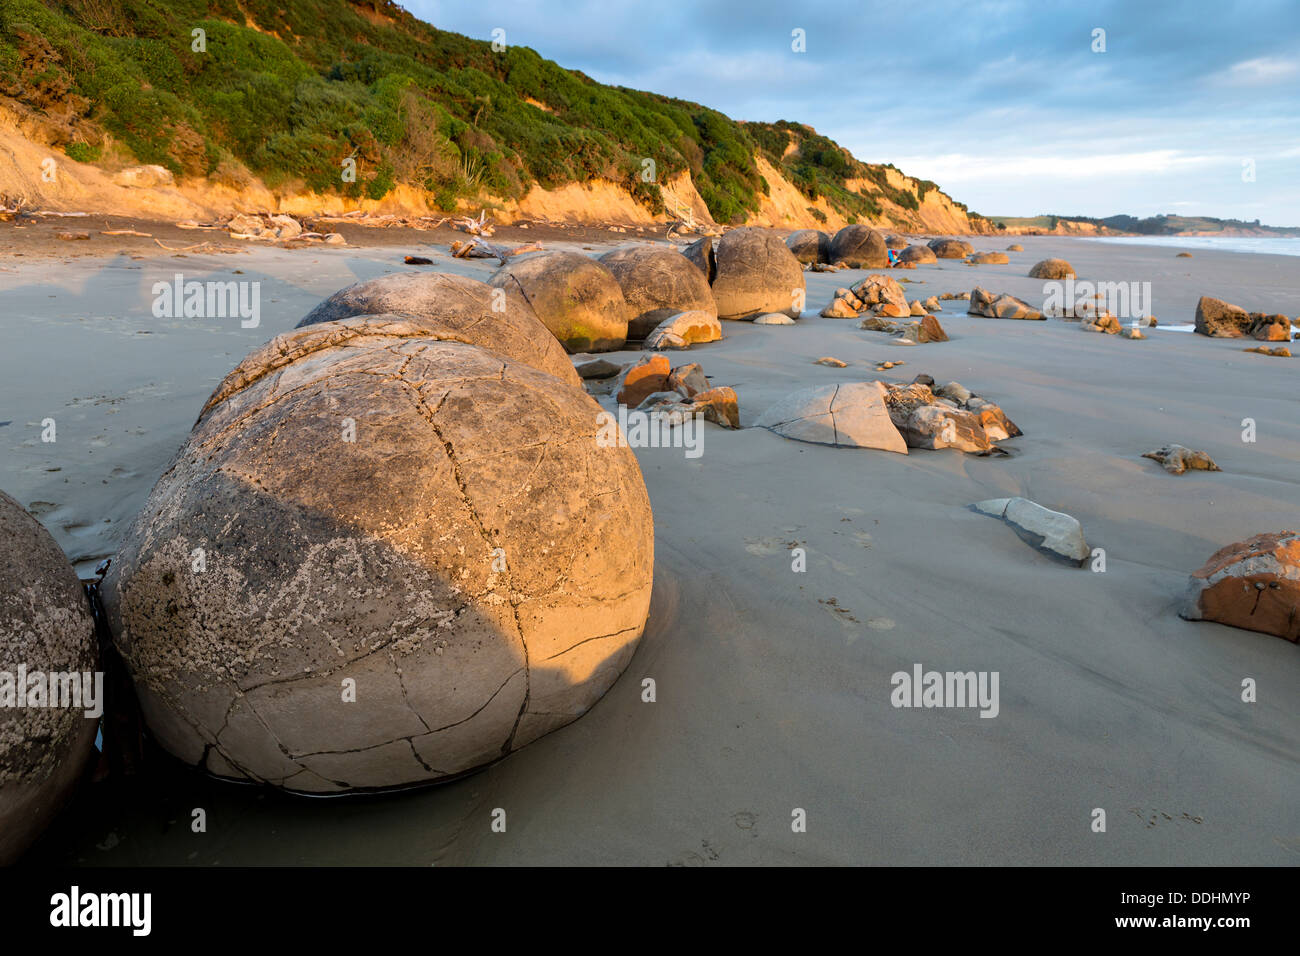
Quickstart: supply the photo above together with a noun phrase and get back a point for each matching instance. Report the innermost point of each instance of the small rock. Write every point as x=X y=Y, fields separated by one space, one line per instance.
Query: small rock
x=685 y=329
x=1253 y=584
x=417 y=261
x=689 y=380
x=1177 y=459
x=644 y=378
x=832 y=362
x=721 y=406
x=1057 y=534
x=774 y=318
x=598 y=369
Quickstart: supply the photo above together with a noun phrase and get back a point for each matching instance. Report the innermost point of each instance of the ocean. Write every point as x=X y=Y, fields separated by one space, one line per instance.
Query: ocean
x=1270 y=245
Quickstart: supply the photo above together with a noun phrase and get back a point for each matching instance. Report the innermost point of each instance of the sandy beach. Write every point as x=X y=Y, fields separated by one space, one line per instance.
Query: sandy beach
x=773 y=687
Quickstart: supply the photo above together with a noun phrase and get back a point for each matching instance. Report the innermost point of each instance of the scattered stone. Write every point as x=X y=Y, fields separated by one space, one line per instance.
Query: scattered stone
x=685 y=329
x=45 y=624
x=1107 y=324
x=689 y=380
x=452 y=308
x=1176 y=459
x=658 y=283
x=72 y=236
x=655 y=399
x=643 y=378
x=598 y=369
x=775 y=318
x=1003 y=306
x=756 y=273
x=849 y=415
x=917 y=309
x=721 y=406
x=839 y=309
x=577 y=298
x=1281 y=351
x=923 y=379
x=380 y=565
x=931 y=331
x=1051 y=269
x=1271 y=328
x=1133 y=333
x=1183 y=255
x=958 y=392
x=860 y=247
x=1053 y=532
x=1015 y=247
x=1253 y=584
x=1214 y=317
x=932 y=304
x=938 y=426
x=832 y=362
x=417 y=261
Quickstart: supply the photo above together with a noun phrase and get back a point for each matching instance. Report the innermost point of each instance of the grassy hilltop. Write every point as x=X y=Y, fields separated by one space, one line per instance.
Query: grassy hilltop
x=286 y=91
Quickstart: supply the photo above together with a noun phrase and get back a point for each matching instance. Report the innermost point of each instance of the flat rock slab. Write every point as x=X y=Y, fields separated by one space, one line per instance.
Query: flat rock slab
x=852 y=415
x=1052 y=532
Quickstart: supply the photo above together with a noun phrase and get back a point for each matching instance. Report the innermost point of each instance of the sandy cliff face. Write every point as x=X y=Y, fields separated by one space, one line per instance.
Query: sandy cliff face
x=44 y=177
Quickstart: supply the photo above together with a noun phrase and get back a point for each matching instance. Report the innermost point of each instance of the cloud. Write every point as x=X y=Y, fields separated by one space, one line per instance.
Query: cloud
x=1261 y=71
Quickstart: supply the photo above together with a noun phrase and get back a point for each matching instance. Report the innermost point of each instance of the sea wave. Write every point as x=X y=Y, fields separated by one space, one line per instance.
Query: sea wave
x=1270 y=245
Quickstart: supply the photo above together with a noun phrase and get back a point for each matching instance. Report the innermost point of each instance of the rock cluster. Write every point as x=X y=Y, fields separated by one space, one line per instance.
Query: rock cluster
x=1215 y=317
x=683 y=392
x=1003 y=306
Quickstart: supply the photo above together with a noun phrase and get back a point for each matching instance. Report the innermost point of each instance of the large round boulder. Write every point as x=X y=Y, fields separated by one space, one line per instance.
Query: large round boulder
x=45 y=630
x=951 y=248
x=860 y=247
x=455 y=308
x=809 y=245
x=1051 y=269
x=756 y=274
x=417 y=557
x=919 y=254
x=896 y=242
x=577 y=298
x=658 y=283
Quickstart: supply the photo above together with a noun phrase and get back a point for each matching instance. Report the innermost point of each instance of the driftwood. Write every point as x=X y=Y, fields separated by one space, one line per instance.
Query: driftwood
x=480 y=248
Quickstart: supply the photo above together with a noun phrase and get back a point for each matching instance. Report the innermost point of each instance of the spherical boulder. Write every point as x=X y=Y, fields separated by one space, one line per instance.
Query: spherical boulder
x=860 y=247
x=896 y=242
x=577 y=298
x=809 y=245
x=419 y=556
x=1051 y=269
x=756 y=274
x=455 y=308
x=45 y=630
x=951 y=248
x=658 y=282
x=917 y=254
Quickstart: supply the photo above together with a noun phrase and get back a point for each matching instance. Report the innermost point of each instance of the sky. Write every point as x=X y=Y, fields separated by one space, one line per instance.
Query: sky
x=1193 y=108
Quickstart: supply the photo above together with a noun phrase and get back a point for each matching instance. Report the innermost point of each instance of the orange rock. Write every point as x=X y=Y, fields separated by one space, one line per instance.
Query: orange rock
x=931 y=330
x=721 y=406
x=646 y=377
x=1252 y=584
x=892 y=310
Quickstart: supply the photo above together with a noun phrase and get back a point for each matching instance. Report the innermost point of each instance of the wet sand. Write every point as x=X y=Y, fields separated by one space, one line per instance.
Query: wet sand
x=773 y=687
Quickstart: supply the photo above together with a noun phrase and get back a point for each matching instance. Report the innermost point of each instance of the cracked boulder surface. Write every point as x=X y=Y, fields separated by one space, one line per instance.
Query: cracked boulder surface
x=45 y=626
x=473 y=561
x=658 y=283
x=577 y=298
x=1253 y=584
x=455 y=308
x=756 y=273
